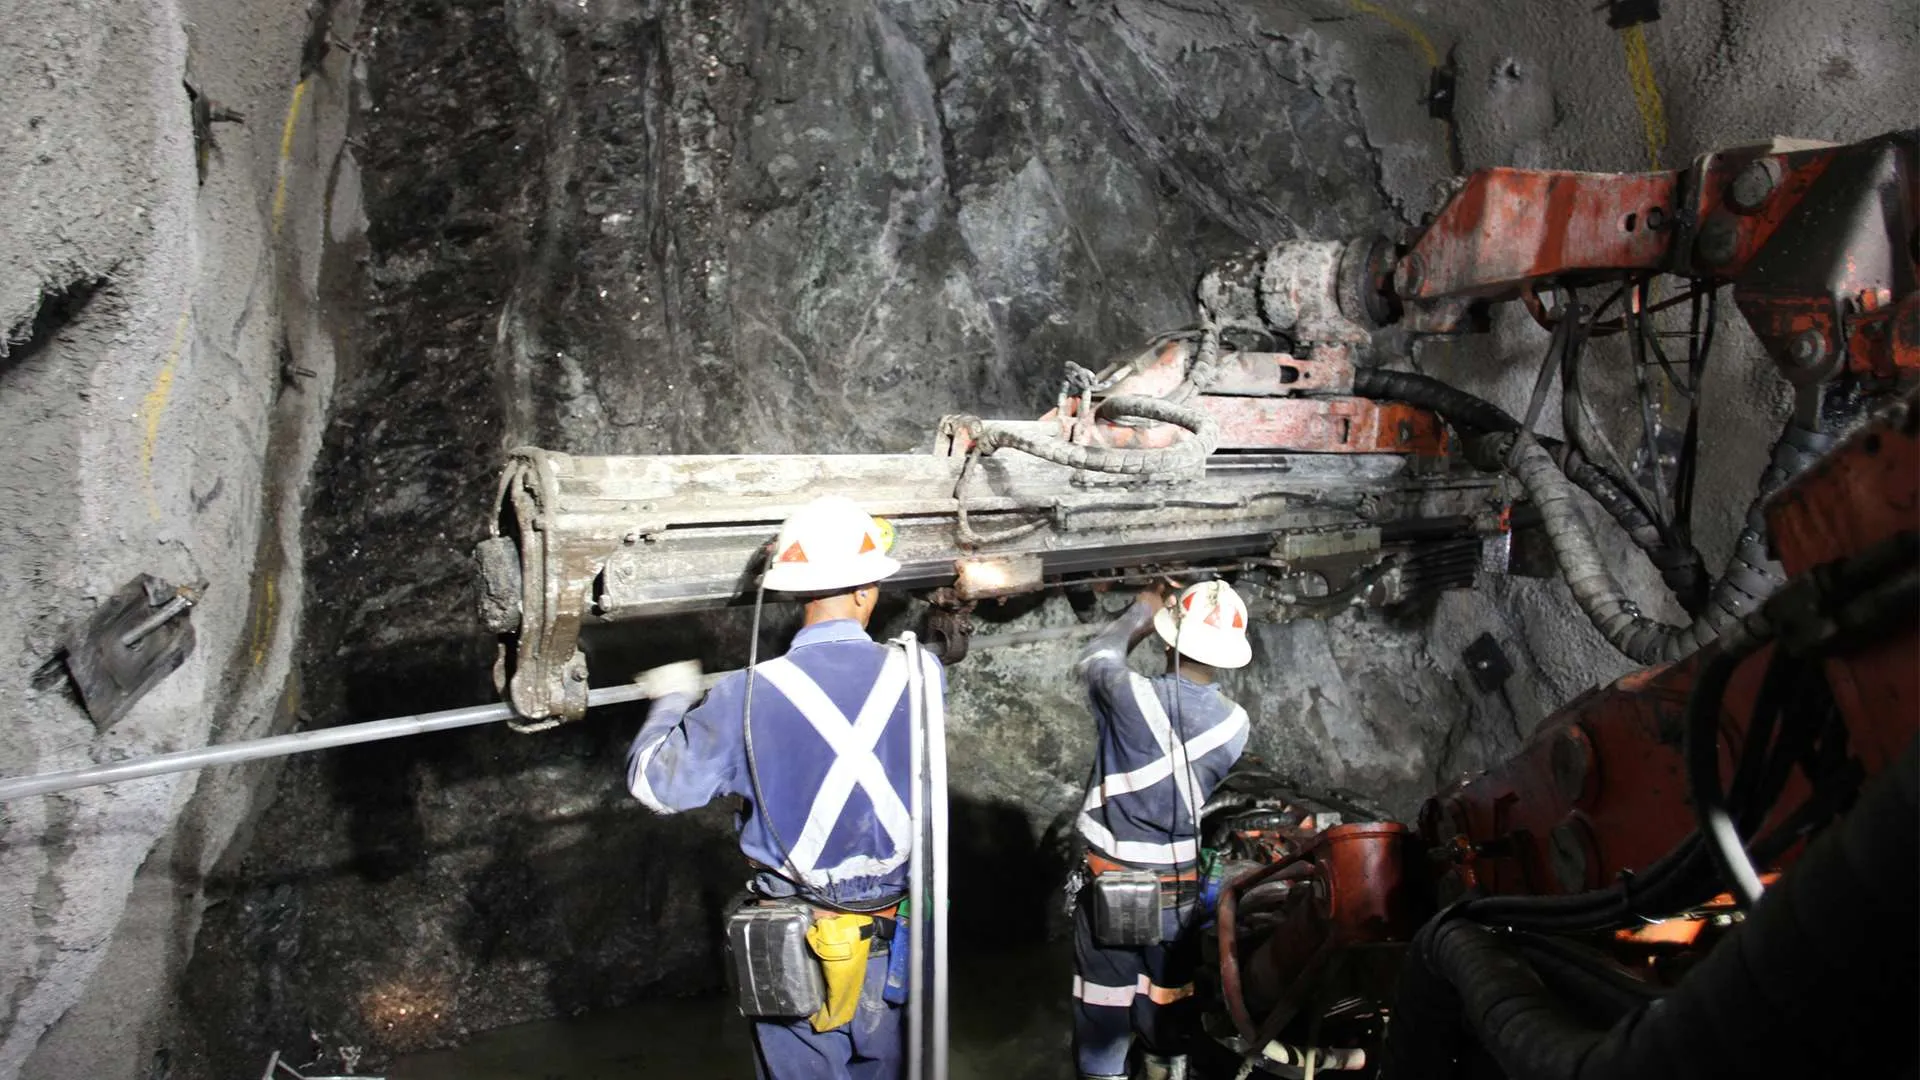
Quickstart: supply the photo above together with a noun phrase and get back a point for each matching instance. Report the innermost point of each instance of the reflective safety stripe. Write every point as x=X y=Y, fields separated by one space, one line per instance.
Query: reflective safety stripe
x=1165 y=995
x=1114 y=785
x=1117 y=997
x=1143 y=852
x=854 y=764
x=1120 y=997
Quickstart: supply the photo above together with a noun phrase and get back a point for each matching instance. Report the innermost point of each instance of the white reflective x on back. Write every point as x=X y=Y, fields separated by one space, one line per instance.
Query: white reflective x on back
x=853 y=763
x=1146 y=776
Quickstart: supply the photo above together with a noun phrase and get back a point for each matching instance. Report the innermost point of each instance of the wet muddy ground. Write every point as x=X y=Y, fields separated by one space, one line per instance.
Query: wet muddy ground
x=1010 y=1022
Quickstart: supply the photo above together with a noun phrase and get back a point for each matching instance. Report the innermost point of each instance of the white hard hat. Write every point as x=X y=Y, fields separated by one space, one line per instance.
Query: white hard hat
x=830 y=545
x=1208 y=624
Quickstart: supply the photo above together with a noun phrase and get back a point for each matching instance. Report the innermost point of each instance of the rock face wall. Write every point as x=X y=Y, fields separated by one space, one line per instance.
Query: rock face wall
x=684 y=226
x=158 y=304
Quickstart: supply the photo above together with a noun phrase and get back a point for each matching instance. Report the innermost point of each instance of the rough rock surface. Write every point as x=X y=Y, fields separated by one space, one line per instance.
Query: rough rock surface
x=693 y=227
x=148 y=316
x=620 y=226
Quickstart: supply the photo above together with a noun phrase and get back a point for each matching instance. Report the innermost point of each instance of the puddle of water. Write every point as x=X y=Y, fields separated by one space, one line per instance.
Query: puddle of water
x=1011 y=1021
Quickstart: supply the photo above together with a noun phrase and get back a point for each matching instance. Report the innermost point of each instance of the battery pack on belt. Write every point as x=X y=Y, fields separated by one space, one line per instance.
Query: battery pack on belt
x=775 y=973
x=1126 y=908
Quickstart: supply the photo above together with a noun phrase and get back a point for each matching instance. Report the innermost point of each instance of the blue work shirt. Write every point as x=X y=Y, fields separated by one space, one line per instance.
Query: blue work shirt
x=832 y=739
x=1143 y=807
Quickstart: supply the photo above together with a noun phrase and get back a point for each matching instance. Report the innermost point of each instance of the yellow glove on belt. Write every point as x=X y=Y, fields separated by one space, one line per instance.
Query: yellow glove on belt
x=841 y=942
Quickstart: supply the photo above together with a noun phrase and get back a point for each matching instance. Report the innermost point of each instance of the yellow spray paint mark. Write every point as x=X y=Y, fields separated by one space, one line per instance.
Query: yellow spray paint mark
x=286 y=153
x=263 y=611
x=1403 y=24
x=155 y=405
x=1646 y=91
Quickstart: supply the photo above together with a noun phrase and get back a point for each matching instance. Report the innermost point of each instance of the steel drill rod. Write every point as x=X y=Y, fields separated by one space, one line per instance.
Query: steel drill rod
x=300 y=742
x=281 y=745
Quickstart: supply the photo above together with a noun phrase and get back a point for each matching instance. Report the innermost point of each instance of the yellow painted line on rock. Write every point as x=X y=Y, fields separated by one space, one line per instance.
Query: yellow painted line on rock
x=263 y=625
x=154 y=405
x=286 y=153
x=1646 y=91
x=1403 y=24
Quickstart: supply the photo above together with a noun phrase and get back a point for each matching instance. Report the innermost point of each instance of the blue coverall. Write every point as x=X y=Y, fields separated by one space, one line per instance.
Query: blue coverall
x=1143 y=810
x=832 y=741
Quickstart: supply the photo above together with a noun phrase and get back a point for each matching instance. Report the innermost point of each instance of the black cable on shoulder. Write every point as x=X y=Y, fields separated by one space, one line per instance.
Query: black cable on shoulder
x=753 y=766
x=1176 y=738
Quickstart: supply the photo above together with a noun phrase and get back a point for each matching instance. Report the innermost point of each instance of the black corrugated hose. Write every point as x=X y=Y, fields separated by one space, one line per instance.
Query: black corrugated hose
x=1680 y=567
x=1187 y=454
x=1749 y=579
x=1750 y=576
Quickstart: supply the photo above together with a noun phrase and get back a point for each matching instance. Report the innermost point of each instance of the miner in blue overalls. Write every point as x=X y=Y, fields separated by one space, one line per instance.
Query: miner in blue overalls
x=1164 y=743
x=823 y=764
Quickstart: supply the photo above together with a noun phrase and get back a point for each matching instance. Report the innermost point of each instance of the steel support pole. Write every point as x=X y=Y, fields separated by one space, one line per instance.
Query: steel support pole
x=935 y=711
x=917 y=918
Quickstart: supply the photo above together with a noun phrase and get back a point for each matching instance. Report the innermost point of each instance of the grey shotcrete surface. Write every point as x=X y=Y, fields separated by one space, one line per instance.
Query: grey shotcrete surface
x=613 y=226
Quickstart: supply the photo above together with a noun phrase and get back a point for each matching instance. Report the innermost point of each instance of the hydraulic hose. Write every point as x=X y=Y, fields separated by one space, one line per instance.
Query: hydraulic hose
x=1457 y=406
x=1793 y=969
x=1185 y=455
x=1679 y=566
x=1749 y=579
x=1751 y=576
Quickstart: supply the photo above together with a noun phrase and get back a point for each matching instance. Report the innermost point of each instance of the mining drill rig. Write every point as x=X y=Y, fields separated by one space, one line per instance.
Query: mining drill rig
x=1710 y=867
x=1707 y=868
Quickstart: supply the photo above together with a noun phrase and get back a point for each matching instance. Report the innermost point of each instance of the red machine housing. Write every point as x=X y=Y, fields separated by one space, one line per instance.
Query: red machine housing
x=1820 y=245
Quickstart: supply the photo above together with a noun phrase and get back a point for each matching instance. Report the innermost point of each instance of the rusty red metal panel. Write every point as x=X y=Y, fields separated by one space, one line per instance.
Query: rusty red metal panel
x=1337 y=425
x=1329 y=425
x=1814 y=237
x=1349 y=887
x=1325 y=369
x=1865 y=491
x=1602 y=787
x=1510 y=226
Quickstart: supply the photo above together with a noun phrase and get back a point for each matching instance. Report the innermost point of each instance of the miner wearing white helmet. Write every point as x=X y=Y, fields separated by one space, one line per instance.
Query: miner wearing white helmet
x=818 y=744
x=1164 y=743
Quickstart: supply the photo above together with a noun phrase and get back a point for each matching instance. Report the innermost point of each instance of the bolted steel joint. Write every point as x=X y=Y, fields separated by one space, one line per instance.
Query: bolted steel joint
x=1752 y=186
x=1807 y=349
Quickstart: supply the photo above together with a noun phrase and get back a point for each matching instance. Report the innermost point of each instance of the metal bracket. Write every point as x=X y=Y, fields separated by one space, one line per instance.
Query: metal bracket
x=137 y=638
x=1622 y=14
x=1487 y=664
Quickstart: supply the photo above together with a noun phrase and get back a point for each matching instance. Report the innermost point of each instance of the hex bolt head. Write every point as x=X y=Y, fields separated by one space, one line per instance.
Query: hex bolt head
x=1806 y=348
x=1754 y=185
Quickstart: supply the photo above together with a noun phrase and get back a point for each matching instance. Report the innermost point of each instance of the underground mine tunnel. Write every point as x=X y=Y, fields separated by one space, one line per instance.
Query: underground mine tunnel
x=367 y=359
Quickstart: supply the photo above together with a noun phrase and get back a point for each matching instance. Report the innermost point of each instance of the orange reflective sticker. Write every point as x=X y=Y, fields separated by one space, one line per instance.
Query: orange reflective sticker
x=867 y=544
x=1239 y=620
x=794 y=553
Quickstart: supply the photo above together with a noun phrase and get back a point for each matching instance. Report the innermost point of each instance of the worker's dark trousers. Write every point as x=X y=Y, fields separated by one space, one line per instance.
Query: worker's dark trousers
x=872 y=1046
x=1120 y=992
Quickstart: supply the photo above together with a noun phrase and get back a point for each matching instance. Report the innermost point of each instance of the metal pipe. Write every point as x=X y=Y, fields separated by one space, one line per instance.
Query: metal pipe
x=300 y=742
x=916 y=864
x=282 y=745
x=935 y=712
